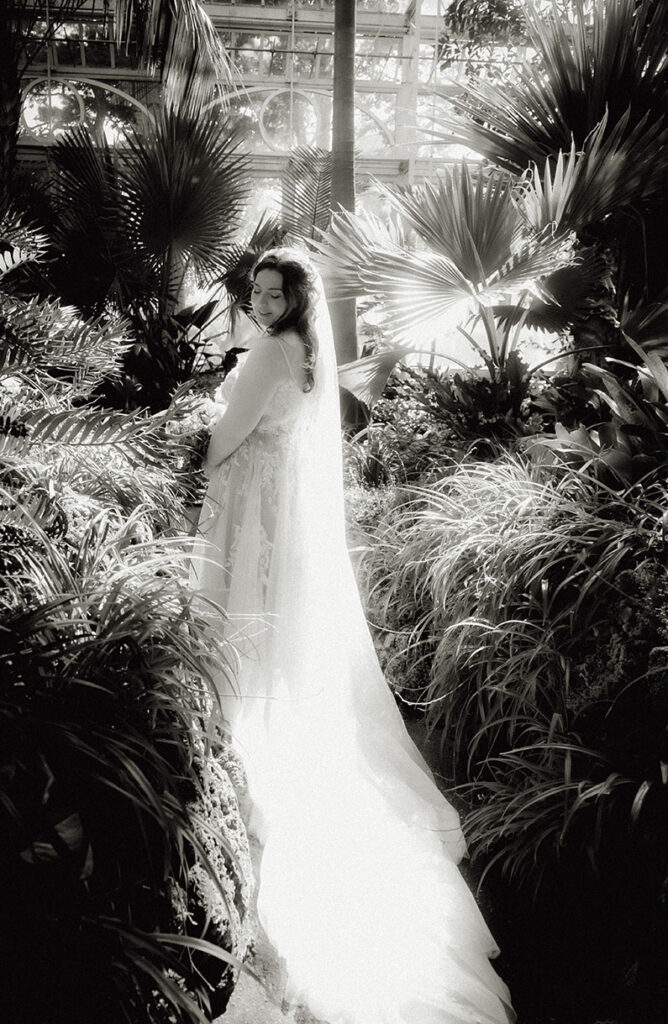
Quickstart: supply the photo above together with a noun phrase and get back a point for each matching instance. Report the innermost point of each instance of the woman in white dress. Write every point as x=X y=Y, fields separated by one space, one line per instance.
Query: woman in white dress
x=359 y=890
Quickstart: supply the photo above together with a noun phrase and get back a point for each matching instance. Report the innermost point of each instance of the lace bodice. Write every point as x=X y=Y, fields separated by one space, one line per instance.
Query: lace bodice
x=283 y=409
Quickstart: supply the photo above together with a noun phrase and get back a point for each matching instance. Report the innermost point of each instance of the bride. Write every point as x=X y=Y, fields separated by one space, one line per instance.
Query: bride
x=359 y=890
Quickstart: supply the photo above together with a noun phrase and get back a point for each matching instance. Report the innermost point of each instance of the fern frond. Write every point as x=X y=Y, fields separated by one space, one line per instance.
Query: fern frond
x=85 y=428
x=307 y=189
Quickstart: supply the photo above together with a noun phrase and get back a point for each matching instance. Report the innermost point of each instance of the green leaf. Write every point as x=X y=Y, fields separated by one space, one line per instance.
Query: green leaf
x=366 y=378
x=83 y=427
x=307 y=187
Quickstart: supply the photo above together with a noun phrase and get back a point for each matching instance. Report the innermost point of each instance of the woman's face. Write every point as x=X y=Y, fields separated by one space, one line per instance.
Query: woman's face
x=267 y=298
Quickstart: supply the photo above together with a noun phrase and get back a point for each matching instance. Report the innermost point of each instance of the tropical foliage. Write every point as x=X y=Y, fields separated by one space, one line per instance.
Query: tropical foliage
x=556 y=226
x=122 y=848
x=520 y=600
x=126 y=226
x=514 y=607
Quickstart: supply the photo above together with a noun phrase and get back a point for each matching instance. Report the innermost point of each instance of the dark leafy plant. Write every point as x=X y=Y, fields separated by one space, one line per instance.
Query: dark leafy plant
x=126 y=873
x=602 y=61
x=127 y=226
x=612 y=425
x=101 y=702
x=517 y=605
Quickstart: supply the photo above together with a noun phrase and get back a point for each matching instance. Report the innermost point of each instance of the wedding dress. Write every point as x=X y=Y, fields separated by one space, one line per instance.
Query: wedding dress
x=359 y=890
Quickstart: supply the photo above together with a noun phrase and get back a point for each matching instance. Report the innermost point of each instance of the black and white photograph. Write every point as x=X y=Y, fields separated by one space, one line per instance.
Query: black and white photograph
x=334 y=512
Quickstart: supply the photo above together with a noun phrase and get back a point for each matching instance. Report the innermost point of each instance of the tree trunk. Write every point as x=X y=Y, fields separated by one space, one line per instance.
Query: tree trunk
x=344 y=320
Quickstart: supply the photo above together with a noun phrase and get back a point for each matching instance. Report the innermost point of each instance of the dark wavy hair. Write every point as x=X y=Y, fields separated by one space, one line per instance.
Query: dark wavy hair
x=299 y=289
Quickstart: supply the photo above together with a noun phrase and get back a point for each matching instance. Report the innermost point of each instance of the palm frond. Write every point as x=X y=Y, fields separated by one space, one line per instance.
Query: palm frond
x=14 y=357
x=19 y=243
x=468 y=216
x=179 y=37
x=90 y=428
x=586 y=67
x=196 y=64
x=185 y=185
x=11 y=258
x=615 y=168
x=87 y=224
x=360 y=256
x=60 y=348
x=564 y=297
x=306 y=196
x=366 y=378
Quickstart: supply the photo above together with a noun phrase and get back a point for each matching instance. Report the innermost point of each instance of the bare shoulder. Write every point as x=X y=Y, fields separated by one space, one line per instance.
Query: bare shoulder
x=293 y=345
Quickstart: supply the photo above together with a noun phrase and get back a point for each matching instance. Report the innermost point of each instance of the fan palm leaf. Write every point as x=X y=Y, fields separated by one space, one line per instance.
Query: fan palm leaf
x=562 y=299
x=585 y=68
x=366 y=378
x=128 y=223
x=87 y=225
x=359 y=256
x=185 y=185
x=468 y=216
x=614 y=169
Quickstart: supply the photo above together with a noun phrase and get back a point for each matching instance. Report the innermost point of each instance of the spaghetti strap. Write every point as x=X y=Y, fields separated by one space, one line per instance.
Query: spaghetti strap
x=285 y=354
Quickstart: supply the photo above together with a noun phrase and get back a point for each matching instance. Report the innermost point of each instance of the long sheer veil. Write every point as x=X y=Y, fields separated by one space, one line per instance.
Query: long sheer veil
x=359 y=890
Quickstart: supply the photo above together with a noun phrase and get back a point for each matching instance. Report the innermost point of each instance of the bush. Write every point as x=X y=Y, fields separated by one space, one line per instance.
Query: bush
x=117 y=816
x=429 y=420
x=530 y=614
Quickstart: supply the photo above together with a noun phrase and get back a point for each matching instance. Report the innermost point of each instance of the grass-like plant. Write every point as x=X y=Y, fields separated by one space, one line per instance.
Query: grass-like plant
x=103 y=692
x=527 y=608
x=501 y=570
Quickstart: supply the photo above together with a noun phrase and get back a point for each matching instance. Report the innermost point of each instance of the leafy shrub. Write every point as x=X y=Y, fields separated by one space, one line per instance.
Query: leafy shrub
x=493 y=402
x=613 y=425
x=118 y=817
x=530 y=613
x=428 y=420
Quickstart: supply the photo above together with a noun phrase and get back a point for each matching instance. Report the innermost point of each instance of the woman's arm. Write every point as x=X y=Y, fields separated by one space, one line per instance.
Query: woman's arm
x=263 y=370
